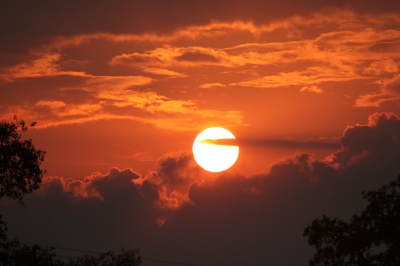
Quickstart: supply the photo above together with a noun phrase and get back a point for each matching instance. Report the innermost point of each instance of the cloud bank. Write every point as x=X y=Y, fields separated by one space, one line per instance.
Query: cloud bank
x=180 y=209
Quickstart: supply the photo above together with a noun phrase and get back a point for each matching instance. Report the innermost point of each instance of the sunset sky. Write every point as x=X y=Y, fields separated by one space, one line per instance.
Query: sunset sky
x=120 y=90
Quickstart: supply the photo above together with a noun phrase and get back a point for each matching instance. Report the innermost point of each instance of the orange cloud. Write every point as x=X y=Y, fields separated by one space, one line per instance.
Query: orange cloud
x=146 y=107
x=310 y=76
x=338 y=19
x=44 y=65
x=170 y=56
x=374 y=100
x=51 y=104
x=339 y=55
x=163 y=72
x=314 y=89
x=390 y=91
x=382 y=66
x=211 y=85
x=301 y=51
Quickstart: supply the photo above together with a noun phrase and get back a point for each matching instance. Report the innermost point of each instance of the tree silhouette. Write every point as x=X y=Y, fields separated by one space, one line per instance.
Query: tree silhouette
x=126 y=258
x=14 y=253
x=371 y=238
x=20 y=171
x=20 y=174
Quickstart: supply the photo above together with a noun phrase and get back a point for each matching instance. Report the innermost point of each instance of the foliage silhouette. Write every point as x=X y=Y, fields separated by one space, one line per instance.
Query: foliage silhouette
x=20 y=171
x=371 y=238
x=13 y=253
x=20 y=174
x=126 y=258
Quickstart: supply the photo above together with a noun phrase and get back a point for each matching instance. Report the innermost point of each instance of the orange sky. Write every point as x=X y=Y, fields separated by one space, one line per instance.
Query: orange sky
x=131 y=84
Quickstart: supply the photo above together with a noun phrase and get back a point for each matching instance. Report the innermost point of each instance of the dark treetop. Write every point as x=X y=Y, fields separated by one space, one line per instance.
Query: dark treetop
x=371 y=238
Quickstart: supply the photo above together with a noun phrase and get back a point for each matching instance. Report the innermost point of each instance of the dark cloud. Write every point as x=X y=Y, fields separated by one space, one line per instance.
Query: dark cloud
x=196 y=57
x=177 y=168
x=393 y=85
x=278 y=143
x=47 y=88
x=95 y=212
x=173 y=175
x=384 y=46
x=233 y=218
x=379 y=140
x=26 y=24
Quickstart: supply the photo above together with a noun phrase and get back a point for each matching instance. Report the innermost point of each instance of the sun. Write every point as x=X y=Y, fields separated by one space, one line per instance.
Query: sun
x=213 y=157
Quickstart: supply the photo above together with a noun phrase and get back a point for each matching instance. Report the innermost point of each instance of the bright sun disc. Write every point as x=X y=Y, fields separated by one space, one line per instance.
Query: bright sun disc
x=213 y=157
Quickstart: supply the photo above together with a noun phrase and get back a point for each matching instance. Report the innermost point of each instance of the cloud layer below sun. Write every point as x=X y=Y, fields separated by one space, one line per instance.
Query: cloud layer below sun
x=180 y=203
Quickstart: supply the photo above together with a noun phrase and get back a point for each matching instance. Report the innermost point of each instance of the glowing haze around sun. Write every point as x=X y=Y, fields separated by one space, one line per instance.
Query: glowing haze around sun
x=214 y=157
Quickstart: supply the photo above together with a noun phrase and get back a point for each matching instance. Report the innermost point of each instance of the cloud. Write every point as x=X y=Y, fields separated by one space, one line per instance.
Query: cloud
x=133 y=75
x=51 y=104
x=314 y=89
x=211 y=85
x=174 y=174
x=164 y=189
x=137 y=60
x=333 y=45
x=163 y=113
x=97 y=185
x=311 y=75
x=67 y=210
x=181 y=204
x=163 y=72
x=41 y=23
x=390 y=91
x=43 y=65
x=149 y=108
x=113 y=96
x=177 y=168
x=171 y=56
x=374 y=100
x=196 y=57
x=279 y=143
x=382 y=66
x=379 y=140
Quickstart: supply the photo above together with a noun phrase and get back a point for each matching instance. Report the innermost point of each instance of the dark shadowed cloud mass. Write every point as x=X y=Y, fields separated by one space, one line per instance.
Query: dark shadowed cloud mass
x=280 y=143
x=224 y=219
